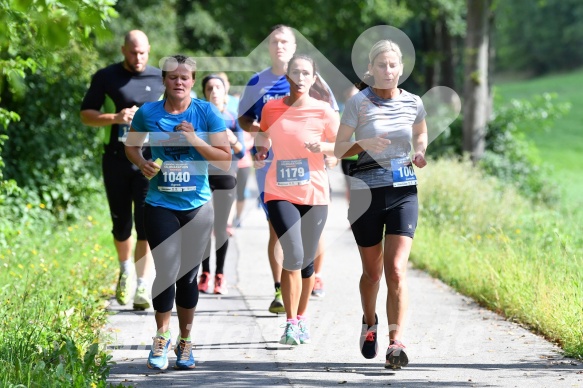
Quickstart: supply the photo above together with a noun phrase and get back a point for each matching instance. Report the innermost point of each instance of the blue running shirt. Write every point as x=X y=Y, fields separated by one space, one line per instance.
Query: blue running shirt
x=182 y=183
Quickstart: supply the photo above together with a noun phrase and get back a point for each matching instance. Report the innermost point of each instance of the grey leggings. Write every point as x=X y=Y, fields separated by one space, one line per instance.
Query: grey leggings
x=298 y=228
x=178 y=240
x=222 y=202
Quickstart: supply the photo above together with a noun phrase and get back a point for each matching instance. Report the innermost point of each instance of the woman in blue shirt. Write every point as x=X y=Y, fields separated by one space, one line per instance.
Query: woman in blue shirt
x=185 y=135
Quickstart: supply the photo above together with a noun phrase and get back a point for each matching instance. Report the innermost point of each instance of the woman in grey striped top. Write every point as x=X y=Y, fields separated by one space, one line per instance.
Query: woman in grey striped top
x=390 y=137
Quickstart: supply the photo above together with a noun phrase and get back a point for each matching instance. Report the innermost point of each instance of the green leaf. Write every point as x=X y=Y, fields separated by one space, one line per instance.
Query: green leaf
x=22 y=5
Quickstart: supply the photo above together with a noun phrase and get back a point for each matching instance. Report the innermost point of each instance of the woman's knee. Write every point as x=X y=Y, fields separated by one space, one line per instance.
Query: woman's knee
x=292 y=264
x=396 y=274
x=373 y=277
x=293 y=251
x=372 y=263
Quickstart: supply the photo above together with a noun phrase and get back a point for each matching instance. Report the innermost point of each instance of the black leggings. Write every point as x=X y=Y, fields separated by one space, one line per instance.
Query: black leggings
x=298 y=228
x=178 y=241
x=126 y=188
x=222 y=203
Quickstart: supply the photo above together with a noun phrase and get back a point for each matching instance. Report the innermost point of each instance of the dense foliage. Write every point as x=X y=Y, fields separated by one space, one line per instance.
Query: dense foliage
x=510 y=155
x=45 y=63
x=539 y=37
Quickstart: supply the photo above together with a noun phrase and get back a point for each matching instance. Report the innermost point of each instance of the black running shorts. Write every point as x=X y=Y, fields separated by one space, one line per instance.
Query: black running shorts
x=380 y=211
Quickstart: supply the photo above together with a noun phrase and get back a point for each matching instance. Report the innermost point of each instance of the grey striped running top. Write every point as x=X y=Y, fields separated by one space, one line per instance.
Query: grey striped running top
x=372 y=116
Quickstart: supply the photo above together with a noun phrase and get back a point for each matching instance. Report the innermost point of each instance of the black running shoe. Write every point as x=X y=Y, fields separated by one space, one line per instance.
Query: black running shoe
x=368 y=339
x=396 y=357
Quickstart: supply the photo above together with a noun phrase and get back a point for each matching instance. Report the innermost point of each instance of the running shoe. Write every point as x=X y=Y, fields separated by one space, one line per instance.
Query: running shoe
x=203 y=282
x=291 y=335
x=396 y=357
x=220 y=284
x=318 y=289
x=230 y=230
x=237 y=222
x=122 y=291
x=277 y=306
x=304 y=331
x=141 y=299
x=369 y=346
x=184 y=357
x=158 y=358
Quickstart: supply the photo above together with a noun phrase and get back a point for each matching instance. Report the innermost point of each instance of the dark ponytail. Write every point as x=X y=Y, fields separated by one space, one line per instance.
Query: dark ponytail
x=319 y=91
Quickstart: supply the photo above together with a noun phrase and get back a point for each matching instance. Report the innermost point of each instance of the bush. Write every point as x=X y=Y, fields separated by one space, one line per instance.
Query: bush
x=63 y=171
x=510 y=155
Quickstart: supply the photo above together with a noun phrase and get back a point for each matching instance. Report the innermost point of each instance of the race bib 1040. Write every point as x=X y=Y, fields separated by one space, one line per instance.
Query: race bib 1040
x=177 y=176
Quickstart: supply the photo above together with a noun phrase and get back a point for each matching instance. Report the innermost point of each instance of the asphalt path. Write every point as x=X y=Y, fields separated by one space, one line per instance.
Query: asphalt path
x=451 y=341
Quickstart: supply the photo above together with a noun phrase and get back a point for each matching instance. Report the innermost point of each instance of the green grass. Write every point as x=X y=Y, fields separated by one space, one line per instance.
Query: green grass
x=489 y=243
x=55 y=284
x=561 y=146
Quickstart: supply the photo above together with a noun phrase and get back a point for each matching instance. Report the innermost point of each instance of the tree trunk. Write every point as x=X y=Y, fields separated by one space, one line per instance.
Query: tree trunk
x=475 y=104
x=428 y=33
x=447 y=66
x=491 y=63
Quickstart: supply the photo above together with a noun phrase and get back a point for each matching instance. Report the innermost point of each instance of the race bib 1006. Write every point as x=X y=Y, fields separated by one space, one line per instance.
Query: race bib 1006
x=403 y=172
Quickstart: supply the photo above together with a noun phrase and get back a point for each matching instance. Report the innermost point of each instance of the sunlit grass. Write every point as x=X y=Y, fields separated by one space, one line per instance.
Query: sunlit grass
x=55 y=284
x=486 y=241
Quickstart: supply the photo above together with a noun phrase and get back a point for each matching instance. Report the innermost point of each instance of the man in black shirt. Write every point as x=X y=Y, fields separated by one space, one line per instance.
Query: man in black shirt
x=115 y=94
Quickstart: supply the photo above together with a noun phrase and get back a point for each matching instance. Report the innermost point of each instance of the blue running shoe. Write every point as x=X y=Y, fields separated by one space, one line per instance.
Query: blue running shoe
x=368 y=339
x=291 y=335
x=184 y=357
x=304 y=331
x=158 y=358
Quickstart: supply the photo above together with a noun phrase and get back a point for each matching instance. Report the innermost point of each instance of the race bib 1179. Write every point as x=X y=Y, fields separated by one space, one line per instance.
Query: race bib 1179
x=293 y=172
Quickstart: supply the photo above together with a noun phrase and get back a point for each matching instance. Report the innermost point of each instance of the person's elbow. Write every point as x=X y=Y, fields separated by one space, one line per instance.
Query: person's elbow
x=246 y=124
x=224 y=163
x=131 y=152
x=84 y=117
x=88 y=117
x=243 y=123
x=338 y=152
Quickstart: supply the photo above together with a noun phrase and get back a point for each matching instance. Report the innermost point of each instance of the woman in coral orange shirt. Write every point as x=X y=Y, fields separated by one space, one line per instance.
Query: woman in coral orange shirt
x=301 y=129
